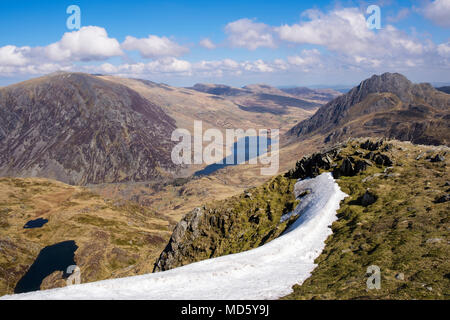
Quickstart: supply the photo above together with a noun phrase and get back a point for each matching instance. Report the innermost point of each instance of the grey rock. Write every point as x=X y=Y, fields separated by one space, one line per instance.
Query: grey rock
x=400 y=276
x=442 y=199
x=368 y=198
x=372 y=145
x=437 y=158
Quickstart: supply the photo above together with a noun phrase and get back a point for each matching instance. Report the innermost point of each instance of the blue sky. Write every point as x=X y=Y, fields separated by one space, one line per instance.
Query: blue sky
x=232 y=42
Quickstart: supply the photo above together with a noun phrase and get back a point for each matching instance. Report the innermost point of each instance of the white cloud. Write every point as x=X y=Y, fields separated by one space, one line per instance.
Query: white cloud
x=437 y=11
x=160 y=66
x=87 y=44
x=342 y=30
x=444 y=49
x=308 y=58
x=207 y=43
x=248 y=34
x=154 y=46
x=13 y=56
x=345 y=33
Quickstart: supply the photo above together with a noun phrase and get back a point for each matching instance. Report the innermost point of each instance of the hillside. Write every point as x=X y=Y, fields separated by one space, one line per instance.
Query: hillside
x=246 y=275
x=395 y=217
x=80 y=129
x=187 y=105
x=389 y=106
x=404 y=231
x=113 y=238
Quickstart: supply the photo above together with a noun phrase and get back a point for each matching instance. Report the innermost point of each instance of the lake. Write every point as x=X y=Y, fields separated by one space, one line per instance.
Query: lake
x=53 y=258
x=238 y=148
x=38 y=223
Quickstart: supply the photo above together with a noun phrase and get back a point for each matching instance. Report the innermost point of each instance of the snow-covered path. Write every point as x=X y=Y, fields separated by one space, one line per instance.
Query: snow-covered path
x=267 y=272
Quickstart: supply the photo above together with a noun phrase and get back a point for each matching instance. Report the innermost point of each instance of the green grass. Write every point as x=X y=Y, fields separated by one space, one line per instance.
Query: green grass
x=395 y=233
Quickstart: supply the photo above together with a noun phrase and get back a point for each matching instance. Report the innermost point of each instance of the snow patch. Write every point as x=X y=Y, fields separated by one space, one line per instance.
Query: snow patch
x=267 y=272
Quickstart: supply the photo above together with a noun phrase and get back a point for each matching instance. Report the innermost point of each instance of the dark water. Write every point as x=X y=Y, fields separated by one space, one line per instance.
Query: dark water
x=237 y=149
x=35 y=223
x=53 y=258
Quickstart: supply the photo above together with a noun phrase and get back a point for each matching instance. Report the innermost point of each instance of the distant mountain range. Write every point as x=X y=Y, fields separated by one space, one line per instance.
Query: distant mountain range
x=263 y=98
x=388 y=105
x=444 y=89
x=81 y=129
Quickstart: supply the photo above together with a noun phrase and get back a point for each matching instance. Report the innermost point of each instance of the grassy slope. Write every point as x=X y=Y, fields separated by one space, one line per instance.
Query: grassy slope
x=114 y=239
x=404 y=231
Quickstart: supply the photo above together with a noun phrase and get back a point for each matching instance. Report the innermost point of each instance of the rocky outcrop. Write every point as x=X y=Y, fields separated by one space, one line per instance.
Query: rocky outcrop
x=310 y=166
x=340 y=164
x=81 y=129
x=238 y=224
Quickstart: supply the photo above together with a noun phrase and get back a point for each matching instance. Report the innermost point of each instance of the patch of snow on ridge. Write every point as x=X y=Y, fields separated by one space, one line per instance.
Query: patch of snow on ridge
x=267 y=272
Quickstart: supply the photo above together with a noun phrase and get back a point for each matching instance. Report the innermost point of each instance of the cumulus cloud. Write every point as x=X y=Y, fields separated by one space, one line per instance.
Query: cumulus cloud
x=87 y=44
x=92 y=43
x=344 y=31
x=13 y=56
x=246 y=33
x=154 y=46
x=207 y=43
x=437 y=11
x=308 y=58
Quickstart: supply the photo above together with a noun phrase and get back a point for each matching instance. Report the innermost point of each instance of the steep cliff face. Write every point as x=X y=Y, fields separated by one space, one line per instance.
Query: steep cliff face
x=80 y=129
x=388 y=105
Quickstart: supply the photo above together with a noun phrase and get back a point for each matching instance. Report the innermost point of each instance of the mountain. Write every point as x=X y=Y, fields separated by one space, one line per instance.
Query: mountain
x=259 y=98
x=324 y=95
x=219 y=89
x=226 y=107
x=80 y=129
x=385 y=105
x=444 y=89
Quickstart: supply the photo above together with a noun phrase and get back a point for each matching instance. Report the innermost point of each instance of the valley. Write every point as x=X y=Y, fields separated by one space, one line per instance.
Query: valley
x=114 y=191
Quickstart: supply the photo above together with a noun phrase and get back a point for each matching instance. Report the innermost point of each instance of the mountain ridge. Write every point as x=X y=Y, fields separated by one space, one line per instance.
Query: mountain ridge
x=386 y=105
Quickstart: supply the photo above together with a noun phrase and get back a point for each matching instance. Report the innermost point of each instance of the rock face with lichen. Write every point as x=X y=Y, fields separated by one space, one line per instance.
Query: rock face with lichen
x=80 y=129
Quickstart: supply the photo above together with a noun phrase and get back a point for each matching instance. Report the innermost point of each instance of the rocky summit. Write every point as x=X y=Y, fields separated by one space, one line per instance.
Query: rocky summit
x=387 y=105
x=81 y=129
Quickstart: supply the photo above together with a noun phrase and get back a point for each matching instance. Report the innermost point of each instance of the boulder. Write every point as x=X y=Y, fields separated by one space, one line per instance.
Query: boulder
x=400 y=276
x=437 y=158
x=361 y=165
x=442 y=199
x=368 y=198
